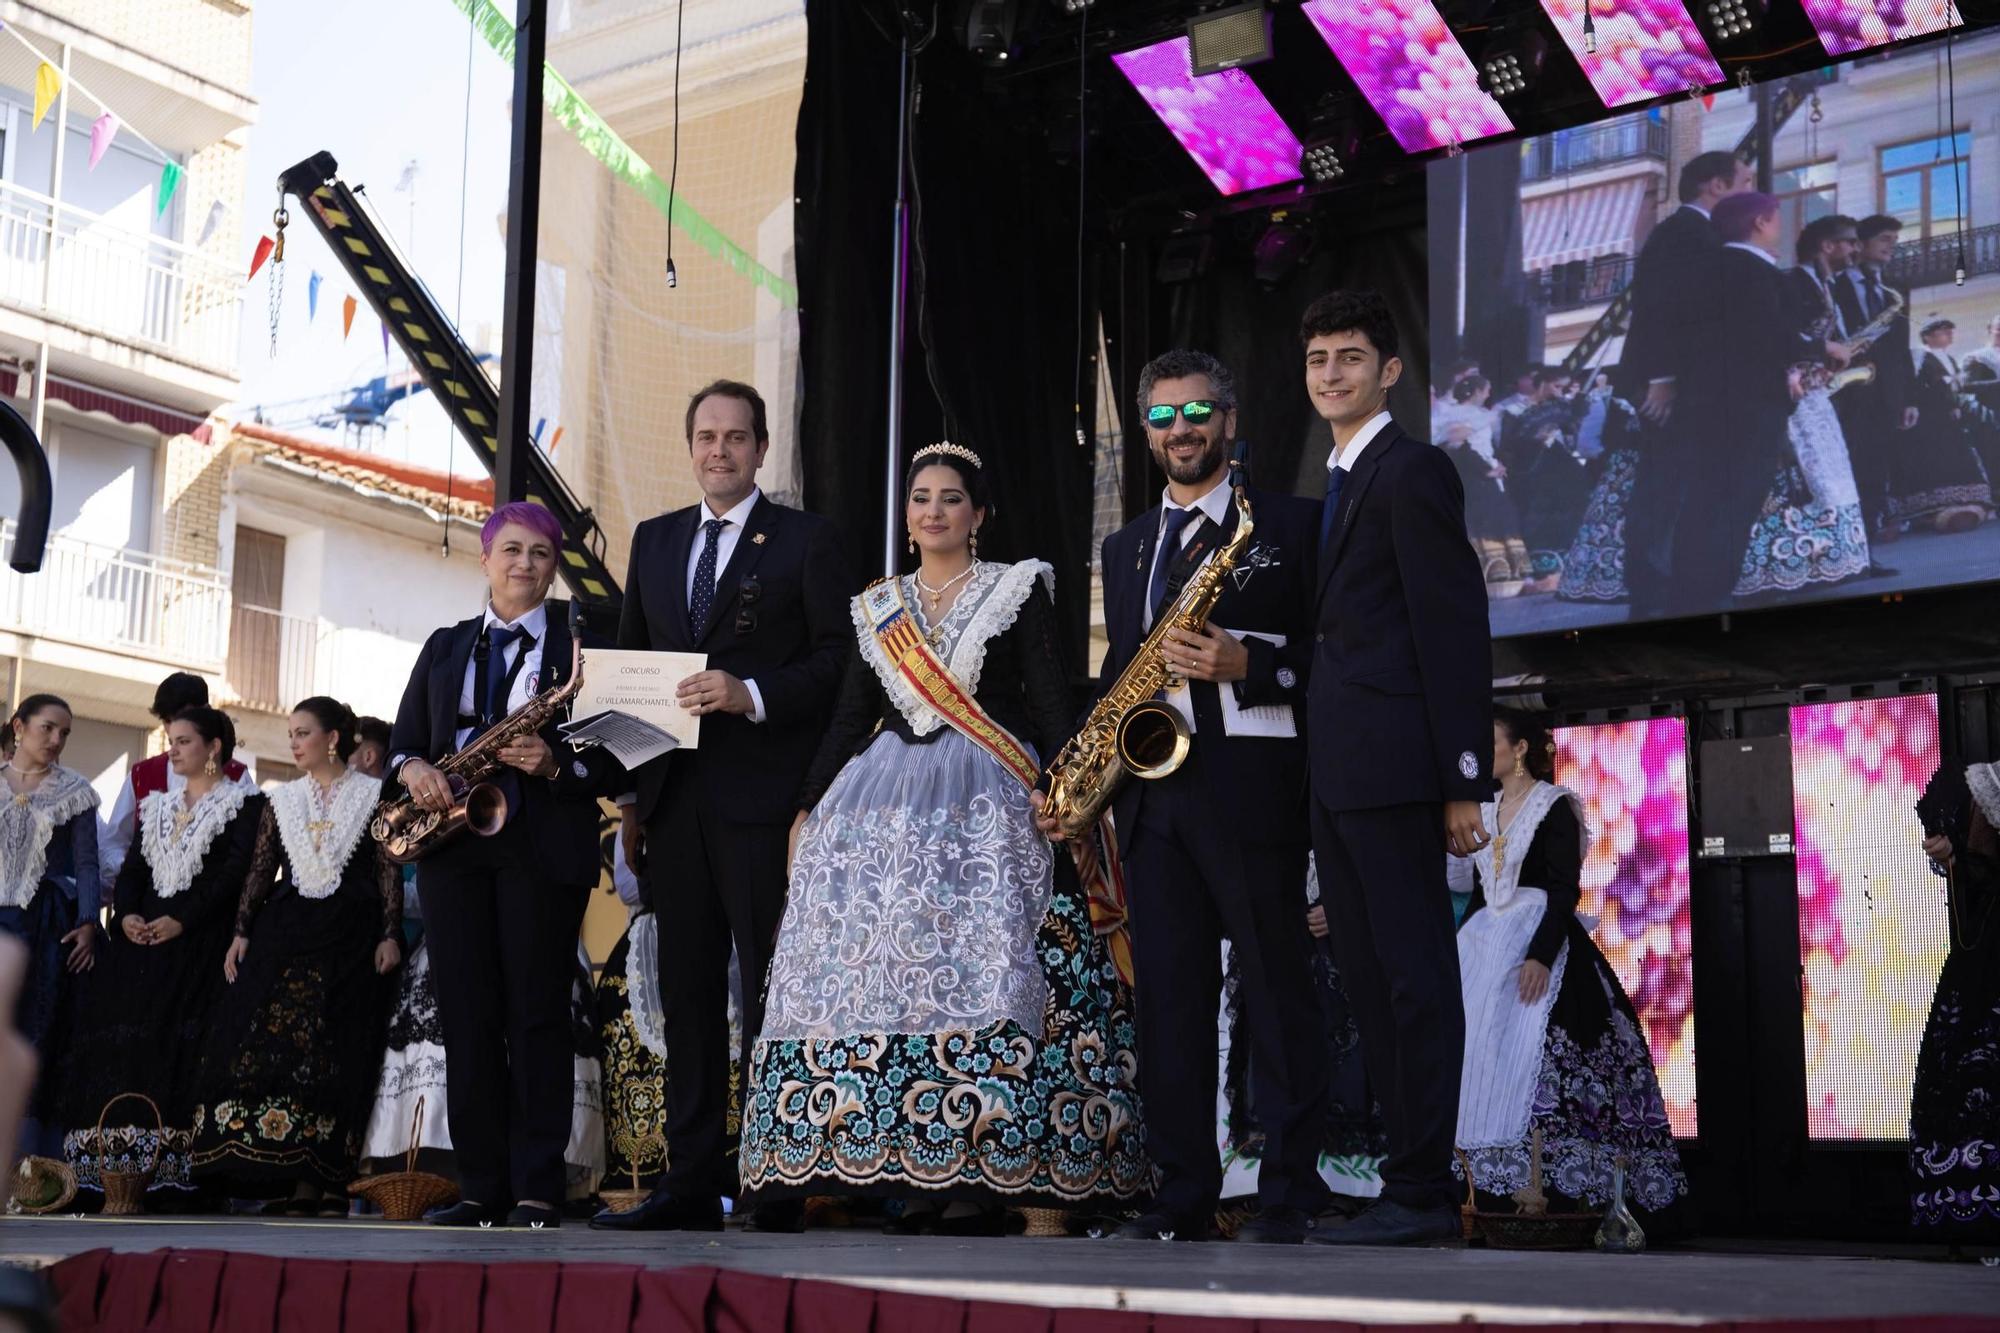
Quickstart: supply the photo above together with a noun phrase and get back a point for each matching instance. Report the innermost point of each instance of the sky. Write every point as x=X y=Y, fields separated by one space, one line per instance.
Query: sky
x=377 y=83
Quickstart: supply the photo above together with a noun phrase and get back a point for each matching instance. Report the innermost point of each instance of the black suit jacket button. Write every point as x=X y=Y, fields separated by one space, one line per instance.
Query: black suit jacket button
x=1319 y=638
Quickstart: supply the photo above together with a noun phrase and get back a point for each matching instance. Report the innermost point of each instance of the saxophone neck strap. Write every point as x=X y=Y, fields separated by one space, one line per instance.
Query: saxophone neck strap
x=1207 y=540
x=894 y=626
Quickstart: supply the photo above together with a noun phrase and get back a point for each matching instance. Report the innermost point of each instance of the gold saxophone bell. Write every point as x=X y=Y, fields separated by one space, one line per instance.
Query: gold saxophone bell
x=1153 y=740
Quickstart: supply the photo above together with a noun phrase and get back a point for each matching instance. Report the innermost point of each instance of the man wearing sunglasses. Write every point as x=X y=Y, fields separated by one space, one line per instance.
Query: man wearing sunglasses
x=1402 y=714
x=761 y=590
x=1218 y=848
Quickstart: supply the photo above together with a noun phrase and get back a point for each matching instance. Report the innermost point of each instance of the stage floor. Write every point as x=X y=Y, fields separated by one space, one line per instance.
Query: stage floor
x=1380 y=1286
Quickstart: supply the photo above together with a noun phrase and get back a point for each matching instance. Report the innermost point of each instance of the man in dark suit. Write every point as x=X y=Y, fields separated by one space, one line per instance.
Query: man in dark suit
x=1666 y=348
x=1739 y=423
x=762 y=590
x=1402 y=734
x=1873 y=416
x=1217 y=848
x=502 y=912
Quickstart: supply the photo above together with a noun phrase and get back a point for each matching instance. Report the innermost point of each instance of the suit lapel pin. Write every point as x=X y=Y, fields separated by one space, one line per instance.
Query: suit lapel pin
x=756 y=539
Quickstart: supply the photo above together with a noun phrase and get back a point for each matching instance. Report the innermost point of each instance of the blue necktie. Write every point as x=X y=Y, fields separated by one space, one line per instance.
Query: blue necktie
x=1335 y=478
x=702 y=598
x=497 y=681
x=1170 y=546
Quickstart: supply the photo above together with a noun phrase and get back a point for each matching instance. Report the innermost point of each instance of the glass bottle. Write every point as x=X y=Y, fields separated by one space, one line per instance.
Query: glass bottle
x=1619 y=1232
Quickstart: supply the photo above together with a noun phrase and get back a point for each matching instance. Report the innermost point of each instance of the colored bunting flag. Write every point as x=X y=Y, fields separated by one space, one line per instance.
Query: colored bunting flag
x=48 y=83
x=170 y=180
x=554 y=441
x=102 y=131
x=312 y=296
x=210 y=223
x=262 y=253
x=385 y=342
x=347 y=305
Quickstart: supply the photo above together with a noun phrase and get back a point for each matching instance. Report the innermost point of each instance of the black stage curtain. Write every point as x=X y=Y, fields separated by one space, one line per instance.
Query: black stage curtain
x=1253 y=328
x=992 y=313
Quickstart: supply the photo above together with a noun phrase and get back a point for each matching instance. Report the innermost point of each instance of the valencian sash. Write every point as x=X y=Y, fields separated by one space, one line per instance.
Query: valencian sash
x=896 y=632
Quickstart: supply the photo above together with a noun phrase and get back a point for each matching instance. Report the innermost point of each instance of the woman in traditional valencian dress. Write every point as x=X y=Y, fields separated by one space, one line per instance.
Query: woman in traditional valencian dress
x=942 y=1024
x=1955 y=1101
x=292 y=1056
x=142 y=1019
x=1555 y=1060
x=48 y=871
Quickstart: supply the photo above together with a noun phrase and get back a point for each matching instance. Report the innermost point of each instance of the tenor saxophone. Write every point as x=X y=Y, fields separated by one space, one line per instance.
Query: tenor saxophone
x=1865 y=338
x=407 y=832
x=1130 y=732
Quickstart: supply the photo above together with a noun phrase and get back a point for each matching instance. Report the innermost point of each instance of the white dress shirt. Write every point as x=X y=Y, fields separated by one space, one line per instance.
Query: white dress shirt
x=1212 y=505
x=725 y=548
x=536 y=622
x=1756 y=250
x=1346 y=458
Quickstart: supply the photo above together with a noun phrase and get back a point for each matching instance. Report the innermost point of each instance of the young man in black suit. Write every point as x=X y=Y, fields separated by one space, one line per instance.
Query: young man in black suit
x=761 y=589
x=1218 y=847
x=1660 y=369
x=1402 y=727
x=1873 y=416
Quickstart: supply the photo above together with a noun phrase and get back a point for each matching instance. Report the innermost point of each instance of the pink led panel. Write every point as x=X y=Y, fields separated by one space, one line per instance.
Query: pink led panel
x=1645 y=48
x=1223 y=120
x=1856 y=25
x=1411 y=69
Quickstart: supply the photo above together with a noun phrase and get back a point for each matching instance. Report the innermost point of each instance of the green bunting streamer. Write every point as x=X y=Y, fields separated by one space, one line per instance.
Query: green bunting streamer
x=603 y=143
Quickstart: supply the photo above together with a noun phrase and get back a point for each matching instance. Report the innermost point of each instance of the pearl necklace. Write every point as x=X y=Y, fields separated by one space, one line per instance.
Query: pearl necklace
x=21 y=797
x=936 y=595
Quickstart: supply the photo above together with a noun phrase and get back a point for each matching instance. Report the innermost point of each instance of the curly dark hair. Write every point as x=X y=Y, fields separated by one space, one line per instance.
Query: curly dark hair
x=1180 y=363
x=1363 y=312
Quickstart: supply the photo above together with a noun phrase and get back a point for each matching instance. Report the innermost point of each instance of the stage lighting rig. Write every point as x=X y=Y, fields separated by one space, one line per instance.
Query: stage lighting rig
x=1229 y=38
x=1733 y=20
x=1073 y=6
x=986 y=27
x=1512 y=61
x=1331 y=143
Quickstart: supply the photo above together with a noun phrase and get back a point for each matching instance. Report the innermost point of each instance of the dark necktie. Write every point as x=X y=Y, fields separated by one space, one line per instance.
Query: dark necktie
x=1875 y=300
x=702 y=598
x=1336 y=478
x=1170 y=546
x=499 y=680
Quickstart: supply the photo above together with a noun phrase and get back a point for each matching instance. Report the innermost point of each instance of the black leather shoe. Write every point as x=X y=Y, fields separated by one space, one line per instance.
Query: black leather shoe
x=1387 y=1222
x=466 y=1214
x=535 y=1216
x=1161 y=1226
x=1276 y=1226
x=664 y=1211
x=1878 y=570
x=777 y=1219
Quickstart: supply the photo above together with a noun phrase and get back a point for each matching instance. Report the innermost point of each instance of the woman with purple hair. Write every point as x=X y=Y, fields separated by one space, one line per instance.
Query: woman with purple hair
x=502 y=913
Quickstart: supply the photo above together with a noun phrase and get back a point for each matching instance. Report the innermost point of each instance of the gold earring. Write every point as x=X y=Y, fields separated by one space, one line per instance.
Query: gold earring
x=973 y=542
x=333 y=752
x=208 y=770
x=913 y=542
x=1520 y=769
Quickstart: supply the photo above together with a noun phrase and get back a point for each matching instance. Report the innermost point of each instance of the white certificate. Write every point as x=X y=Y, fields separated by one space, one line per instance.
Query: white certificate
x=640 y=685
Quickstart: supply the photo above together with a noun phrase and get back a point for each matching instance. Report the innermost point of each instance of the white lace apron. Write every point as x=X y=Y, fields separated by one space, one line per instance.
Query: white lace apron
x=1503 y=1037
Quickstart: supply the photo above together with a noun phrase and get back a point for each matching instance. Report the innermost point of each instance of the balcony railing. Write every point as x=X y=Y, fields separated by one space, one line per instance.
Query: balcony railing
x=1934 y=260
x=1633 y=139
x=69 y=264
x=1586 y=282
x=275 y=659
x=126 y=601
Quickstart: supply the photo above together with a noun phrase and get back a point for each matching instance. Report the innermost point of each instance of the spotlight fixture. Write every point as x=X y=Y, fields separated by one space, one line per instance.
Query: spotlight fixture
x=1075 y=6
x=1279 y=249
x=1732 y=20
x=1512 y=62
x=1331 y=143
x=1229 y=38
x=988 y=30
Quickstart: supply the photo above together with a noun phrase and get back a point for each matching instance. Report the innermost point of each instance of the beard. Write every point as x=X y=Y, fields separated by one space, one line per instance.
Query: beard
x=1196 y=468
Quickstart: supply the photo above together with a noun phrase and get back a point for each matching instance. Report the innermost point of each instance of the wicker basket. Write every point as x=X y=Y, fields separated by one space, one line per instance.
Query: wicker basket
x=624 y=1201
x=1533 y=1228
x=43 y=1185
x=1045 y=1222
x=406 y=1195
x=125 y=1191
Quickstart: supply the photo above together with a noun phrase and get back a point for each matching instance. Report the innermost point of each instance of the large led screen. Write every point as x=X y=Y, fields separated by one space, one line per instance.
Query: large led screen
x=1411 y=69
x=1872 y=924
x=1573 y=300
x=1642 y=49
x=1224 y=120
x=1856 y=25
x=1632 y=777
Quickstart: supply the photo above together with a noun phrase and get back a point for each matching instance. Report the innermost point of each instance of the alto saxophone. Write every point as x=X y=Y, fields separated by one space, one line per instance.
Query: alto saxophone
x=1130 y=732
x=1865 y=338
x=408 y=832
